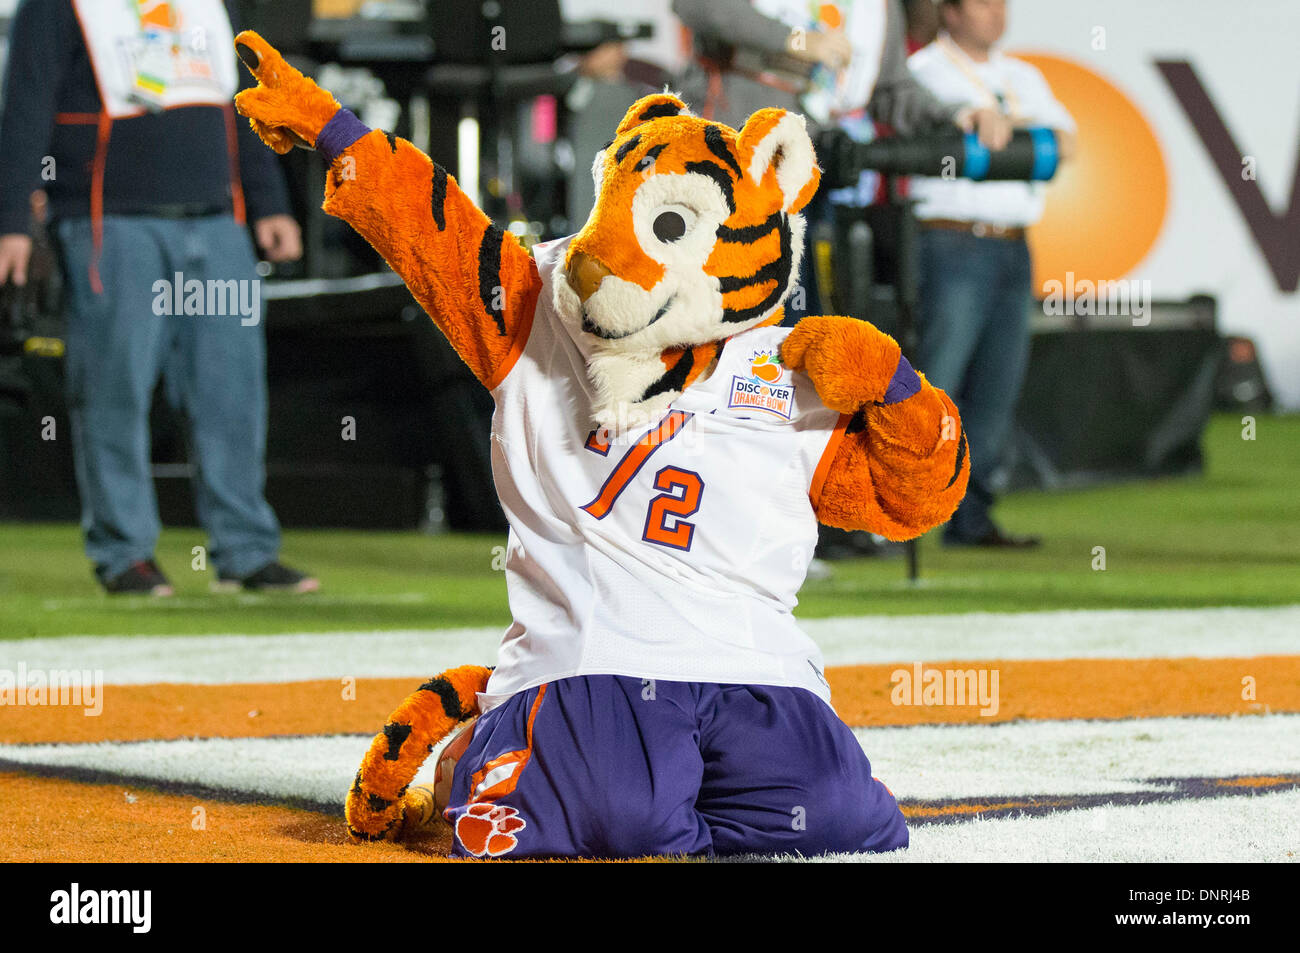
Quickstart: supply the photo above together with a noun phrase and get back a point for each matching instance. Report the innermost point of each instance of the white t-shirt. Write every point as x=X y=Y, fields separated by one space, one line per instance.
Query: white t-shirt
x=956 y=79
x=674 y=558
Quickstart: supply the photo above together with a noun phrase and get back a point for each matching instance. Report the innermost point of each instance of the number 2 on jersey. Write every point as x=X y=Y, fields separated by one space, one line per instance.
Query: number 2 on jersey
x=671 y=480
x=668 y=504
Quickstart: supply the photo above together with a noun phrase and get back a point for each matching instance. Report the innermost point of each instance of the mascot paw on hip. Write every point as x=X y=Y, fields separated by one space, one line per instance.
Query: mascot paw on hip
x=663 y=451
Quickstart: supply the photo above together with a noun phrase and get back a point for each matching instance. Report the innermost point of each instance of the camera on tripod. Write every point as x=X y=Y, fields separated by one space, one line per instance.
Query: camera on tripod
x=864 y=258
x=1032 y=155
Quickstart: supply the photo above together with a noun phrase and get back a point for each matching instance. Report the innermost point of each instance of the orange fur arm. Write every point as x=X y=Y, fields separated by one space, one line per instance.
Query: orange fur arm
x=898 y=472
x=903 y=465
x=475 y=280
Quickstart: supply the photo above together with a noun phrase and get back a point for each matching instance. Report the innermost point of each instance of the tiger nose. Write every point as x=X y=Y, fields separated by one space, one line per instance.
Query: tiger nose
x=585 y=275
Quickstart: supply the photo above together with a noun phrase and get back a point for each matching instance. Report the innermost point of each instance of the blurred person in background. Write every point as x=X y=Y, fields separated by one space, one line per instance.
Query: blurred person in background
x=848 y=58
x=975 y=270
x=121 y=114
x=922 y=23
x=842 y=57
x=598 y=100
x=846 y=63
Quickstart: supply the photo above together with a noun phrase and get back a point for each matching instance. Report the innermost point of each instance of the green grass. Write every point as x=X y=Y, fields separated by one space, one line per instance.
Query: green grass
x=1231 y=537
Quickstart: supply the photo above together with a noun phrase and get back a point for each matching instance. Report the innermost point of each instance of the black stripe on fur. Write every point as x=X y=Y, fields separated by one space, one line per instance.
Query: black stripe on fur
x=749 y=233
x=447 y=693
x=769 y=272
x=647 y=160
x=961 y=458
x=626 y=147
x=675 y=379
x=382 y=835
x=718 y=146
x=718 y=174
x=659 y=111
x=438 y=201
x=779 y=269
x=396 y=735
x=489 y=274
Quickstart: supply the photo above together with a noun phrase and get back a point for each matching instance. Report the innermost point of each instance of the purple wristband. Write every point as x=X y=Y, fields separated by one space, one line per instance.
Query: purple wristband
x=903 y=384
x=339 y=133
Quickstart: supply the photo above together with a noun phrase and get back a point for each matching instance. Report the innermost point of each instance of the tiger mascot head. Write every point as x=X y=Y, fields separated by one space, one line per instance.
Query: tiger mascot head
x=695 y=236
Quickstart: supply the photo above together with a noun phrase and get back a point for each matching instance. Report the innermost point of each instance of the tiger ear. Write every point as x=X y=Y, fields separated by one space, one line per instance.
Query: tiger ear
x=651 y=107
x=777 y=139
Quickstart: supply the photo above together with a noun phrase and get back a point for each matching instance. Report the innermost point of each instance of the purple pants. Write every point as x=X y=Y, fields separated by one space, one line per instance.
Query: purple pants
x=610 y=766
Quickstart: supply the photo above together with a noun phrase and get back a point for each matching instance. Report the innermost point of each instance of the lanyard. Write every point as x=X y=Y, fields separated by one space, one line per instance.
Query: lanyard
x=1005 y=102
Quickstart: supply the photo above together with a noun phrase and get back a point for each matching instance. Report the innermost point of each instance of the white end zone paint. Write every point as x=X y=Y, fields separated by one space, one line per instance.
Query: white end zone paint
x=414 y=653
x=1238 y=829
x=922 y=762
x=929 y=762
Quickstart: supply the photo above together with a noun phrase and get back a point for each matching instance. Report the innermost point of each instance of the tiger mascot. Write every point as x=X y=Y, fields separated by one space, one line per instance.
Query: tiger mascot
x=663 y=451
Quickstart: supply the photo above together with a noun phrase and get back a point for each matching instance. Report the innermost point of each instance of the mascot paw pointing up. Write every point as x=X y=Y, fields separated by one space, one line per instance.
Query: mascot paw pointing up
x=663 y=451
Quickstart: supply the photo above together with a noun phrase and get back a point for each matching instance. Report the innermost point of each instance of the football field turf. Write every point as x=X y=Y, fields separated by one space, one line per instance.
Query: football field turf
x=1144 y=711
x=1229 y=537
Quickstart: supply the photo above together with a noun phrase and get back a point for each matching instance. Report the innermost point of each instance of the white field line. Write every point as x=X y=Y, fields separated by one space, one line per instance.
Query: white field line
x=928 y=762
x=212 y=659
x=179 y=604
x=221 y=659
x=316 y=769
x=1263 y=828
x=1103 y=633
x=919 y=762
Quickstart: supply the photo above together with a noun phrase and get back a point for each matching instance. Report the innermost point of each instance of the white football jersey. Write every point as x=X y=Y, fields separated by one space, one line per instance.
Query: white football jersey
x=673 y=551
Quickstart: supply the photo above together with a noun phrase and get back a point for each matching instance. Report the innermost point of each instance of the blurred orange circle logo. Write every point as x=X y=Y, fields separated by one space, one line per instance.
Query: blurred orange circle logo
x=1106 y=207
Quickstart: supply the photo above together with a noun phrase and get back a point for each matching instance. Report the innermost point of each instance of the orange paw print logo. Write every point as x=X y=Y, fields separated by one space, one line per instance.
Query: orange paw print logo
x=488 y=830
x=766 y=367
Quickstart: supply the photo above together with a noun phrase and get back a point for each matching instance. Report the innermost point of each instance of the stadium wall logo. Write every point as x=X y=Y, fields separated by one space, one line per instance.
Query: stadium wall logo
x=74 y=905
x=1274 y=235
x=1105 y=208
x=946 y=687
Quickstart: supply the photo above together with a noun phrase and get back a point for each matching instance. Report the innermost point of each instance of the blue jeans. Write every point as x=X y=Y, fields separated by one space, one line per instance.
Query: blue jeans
x=214 y=368
x=973 y=324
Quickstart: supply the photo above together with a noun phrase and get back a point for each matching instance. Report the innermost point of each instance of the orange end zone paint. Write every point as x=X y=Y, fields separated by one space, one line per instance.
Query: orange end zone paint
x=1027 y=689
